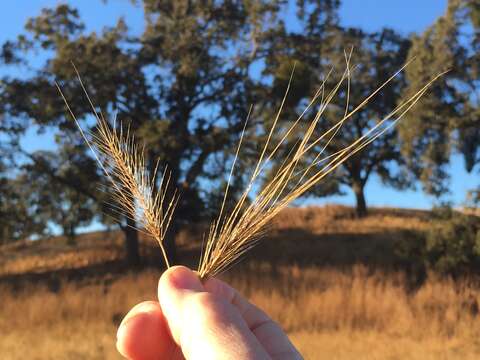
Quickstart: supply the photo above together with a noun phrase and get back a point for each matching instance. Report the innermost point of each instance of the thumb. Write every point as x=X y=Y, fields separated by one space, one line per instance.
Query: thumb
x=204 y=325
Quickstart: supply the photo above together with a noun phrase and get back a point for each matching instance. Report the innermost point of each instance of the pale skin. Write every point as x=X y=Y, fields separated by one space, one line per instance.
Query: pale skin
x=192 y=320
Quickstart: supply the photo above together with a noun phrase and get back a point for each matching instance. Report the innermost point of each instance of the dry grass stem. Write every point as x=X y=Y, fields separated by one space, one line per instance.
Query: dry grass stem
x=134 y=188
x=236 y=231
x=232 y=235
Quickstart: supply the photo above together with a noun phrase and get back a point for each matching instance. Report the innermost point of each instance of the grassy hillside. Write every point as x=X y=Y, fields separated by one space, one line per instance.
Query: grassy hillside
x=332 y=281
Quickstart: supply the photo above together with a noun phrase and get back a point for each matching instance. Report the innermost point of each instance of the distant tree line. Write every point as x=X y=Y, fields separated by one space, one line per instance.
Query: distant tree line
x=185 y=85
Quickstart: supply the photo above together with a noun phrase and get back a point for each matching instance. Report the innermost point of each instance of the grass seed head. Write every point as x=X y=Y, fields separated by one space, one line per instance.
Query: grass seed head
x=232 y=235
x=135 y=190
x=236 y=231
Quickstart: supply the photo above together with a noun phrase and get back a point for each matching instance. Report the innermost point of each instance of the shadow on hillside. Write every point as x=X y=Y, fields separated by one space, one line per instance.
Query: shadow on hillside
x=54 y=278
x=305 y=249
x=298 y=247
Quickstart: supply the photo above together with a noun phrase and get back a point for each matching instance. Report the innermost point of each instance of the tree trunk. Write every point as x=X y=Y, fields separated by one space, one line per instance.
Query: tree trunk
x=69 y=232
x=131 y=243
x=361 y=208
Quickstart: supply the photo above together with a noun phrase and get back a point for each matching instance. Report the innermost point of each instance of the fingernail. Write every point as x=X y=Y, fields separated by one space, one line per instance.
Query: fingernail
x=182 y=278
x=122 y=338
x=121 y=330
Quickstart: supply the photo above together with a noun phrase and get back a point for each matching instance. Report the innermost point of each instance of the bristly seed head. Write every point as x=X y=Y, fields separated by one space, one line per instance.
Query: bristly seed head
x=230 y=236
x=134 y=188
x=236 y=231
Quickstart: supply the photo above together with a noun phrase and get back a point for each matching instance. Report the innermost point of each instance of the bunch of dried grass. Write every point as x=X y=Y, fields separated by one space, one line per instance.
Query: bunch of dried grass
x=232 y=235
x=134 y=189
x=236 y=231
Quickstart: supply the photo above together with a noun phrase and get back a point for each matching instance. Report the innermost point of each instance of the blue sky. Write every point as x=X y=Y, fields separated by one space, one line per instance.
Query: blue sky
x=405 y=16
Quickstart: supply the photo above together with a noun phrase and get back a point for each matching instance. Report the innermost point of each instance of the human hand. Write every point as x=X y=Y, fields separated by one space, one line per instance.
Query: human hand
x=200 y=321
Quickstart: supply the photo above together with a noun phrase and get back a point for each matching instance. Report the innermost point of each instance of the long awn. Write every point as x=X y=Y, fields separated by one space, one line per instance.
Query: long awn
x=236 y=231
x=232 y=235
x=134 y=188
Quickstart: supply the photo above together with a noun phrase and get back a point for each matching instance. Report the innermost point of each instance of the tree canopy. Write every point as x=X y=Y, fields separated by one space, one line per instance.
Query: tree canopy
x=446 y=120
x=184 y=87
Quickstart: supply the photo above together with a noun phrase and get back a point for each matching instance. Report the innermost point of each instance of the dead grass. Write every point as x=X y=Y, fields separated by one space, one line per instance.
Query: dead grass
x=334 y=219
x=332 y=231
x=329 y=313
x=367 y=345
x=339 y=302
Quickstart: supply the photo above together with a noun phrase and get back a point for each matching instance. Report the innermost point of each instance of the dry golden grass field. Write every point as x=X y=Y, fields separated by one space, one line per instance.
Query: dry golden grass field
x=332 y=281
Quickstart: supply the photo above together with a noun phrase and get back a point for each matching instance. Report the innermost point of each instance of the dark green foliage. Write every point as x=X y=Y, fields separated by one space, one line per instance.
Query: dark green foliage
x=183 y=87
x=453 y=246
x=410 y=255
x=447 y=118
x=17 y=217
x=315 y=50
x=450 y=247
x=53 y=202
